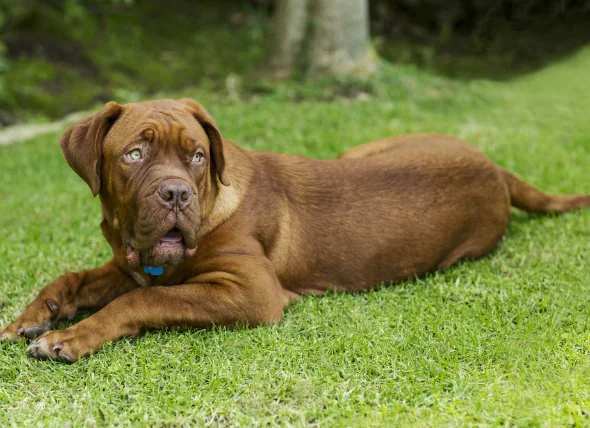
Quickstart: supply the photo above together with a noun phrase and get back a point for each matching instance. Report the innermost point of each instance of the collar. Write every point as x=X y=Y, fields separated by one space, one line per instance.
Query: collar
x=154 y=270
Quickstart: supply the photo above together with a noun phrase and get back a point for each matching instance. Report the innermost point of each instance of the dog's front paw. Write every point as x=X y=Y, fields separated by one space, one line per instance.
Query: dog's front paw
x=9 y=334
x=35 y=320
x=67 y=345
x=24 y=330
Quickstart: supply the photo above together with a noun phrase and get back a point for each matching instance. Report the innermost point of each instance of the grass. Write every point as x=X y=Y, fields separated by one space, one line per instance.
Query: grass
x=500 y=341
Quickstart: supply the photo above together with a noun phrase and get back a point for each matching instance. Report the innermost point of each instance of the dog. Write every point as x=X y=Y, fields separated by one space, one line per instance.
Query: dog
x=204 y=233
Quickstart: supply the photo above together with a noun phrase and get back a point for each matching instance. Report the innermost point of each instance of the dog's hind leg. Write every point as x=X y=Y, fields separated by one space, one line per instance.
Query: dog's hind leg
x=483 y=236
x=468 y=250
x=369 y=149
x=389 y=145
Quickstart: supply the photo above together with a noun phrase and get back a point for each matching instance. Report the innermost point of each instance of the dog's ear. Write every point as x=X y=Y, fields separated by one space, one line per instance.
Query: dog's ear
x=208 y=123
x=82 y=144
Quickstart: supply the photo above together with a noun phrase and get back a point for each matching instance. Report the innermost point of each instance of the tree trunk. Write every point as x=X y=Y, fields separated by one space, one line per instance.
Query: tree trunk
x=340 y=38
x=290 y=28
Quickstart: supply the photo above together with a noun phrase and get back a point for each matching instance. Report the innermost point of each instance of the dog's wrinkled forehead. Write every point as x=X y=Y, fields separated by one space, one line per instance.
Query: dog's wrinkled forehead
x=165 y=122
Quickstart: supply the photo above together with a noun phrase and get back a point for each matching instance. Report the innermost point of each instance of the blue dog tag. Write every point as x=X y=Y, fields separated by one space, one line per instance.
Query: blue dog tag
x=155 y=271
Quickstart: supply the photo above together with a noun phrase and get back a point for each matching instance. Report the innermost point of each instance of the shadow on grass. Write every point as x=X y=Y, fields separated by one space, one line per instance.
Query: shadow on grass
x=507 y=49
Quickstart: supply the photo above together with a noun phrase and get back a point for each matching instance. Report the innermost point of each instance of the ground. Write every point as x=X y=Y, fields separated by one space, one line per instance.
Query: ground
x=500 y=341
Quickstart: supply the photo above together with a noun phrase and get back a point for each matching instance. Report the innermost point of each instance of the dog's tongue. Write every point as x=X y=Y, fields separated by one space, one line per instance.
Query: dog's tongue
x=172 y=237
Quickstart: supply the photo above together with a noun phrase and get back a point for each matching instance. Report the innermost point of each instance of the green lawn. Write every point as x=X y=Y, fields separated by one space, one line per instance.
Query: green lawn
x=500 y=341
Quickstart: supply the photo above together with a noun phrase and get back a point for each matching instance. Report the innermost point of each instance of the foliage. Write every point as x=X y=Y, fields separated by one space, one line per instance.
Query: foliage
x=469 y=16
x=58 y=56
x=68 y=55
x=479 y=38
x=500 y=341
x=10 y=11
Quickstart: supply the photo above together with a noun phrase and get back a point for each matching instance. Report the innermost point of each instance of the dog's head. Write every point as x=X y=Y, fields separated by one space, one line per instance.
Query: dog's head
x=157 y=166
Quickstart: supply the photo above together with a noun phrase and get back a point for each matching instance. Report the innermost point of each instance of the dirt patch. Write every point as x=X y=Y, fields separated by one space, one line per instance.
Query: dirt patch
x=20 y=133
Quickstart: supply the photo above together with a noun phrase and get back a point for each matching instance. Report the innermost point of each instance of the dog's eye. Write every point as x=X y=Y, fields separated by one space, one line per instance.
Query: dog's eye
x=134 y=155
x=198 y=157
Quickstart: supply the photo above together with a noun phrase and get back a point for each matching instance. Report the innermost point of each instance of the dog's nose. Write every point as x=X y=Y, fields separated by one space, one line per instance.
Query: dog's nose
x=175 y=194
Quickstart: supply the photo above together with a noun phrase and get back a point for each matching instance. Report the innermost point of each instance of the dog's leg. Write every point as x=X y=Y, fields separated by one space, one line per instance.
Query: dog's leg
x=242 y=295
x=63 y=297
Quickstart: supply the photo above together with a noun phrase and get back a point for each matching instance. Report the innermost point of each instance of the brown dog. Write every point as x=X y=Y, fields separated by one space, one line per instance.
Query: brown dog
x=241 y=234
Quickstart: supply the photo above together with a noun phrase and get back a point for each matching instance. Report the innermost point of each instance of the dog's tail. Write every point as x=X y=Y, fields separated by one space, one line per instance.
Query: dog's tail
x=528 y=198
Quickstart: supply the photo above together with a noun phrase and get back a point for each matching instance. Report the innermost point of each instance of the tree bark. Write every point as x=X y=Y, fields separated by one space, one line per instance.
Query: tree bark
x=290 y=28
x=340 y=38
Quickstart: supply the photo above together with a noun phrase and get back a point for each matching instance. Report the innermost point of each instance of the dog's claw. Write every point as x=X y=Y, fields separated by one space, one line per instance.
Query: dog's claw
x=34 y=350
x=33 y=332
x=66 y=358
x=52 y=305
x=61 y=354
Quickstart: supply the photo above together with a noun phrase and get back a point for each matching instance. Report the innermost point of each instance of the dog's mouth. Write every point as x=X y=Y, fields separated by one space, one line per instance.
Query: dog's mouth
x=172 y=237
x=169 y=250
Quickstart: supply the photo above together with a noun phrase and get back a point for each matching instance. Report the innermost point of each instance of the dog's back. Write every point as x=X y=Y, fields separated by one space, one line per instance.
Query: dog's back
x=353 y=223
